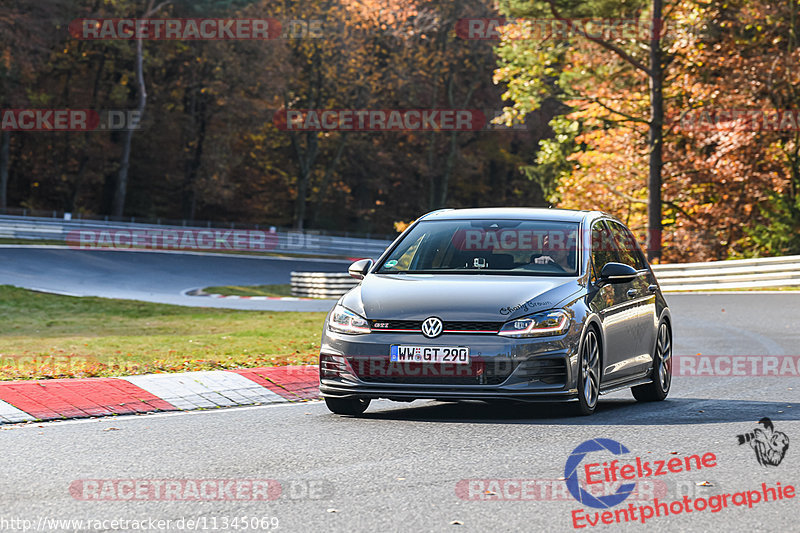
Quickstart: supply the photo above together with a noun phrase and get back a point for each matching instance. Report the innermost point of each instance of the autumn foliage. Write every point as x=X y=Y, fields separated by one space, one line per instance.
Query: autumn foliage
x=209 y=147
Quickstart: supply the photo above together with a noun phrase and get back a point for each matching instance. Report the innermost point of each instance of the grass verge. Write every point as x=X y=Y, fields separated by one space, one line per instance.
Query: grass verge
x=251 y=290
x=52 y=336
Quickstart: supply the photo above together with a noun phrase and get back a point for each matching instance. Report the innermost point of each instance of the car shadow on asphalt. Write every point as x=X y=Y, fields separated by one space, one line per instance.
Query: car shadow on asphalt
x=613 y=411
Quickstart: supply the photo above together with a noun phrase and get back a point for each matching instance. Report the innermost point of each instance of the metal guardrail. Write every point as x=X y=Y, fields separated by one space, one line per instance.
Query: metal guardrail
x=321 y=284
x=106 y=234
x=56 y=215
x=734 y=274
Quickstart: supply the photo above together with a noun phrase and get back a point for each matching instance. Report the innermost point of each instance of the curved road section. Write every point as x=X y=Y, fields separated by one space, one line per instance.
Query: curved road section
x=443 y=467
x=161 y=277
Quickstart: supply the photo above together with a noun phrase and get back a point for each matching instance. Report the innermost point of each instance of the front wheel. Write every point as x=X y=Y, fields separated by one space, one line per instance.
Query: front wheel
x=347 y=406
x=662 y=369
x=588 y=374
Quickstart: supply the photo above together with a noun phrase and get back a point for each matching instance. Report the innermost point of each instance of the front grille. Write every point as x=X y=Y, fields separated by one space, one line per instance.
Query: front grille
x=448 y=326
x=378 y=325
x=381 y=370
x=493 y=327
x=544 y=370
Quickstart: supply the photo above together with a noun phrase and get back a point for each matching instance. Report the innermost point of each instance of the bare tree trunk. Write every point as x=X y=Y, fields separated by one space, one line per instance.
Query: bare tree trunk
x=5 y=138
x=189 y=197
x=443 y=184
x=306 y=159
x=121 y=189
x=195 y=142
x=655 y=140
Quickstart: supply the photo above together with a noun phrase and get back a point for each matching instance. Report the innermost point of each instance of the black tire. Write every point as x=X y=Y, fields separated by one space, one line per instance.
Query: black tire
x=347 y=406
x=588 y=374
x=662 y=369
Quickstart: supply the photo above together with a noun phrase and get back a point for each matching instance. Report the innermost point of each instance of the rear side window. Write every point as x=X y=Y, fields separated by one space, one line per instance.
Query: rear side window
x=604 y=249
x=629 y=252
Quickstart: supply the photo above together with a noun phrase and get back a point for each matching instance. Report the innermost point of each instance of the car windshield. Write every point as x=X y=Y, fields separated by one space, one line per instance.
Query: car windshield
x=513 y=247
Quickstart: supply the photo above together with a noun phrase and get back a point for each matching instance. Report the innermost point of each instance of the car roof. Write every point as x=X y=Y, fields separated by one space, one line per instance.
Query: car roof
x=512 y=213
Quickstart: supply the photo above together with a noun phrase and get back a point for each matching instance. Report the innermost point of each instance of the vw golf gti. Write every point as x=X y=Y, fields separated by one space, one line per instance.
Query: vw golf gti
x=500 y=304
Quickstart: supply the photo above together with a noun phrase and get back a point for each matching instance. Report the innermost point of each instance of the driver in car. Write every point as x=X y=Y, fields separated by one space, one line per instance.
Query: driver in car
x=552 y=254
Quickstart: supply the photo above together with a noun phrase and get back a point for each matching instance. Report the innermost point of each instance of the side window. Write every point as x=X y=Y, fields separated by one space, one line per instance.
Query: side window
x=641 y=262
x=603 y=247
x=629 y=252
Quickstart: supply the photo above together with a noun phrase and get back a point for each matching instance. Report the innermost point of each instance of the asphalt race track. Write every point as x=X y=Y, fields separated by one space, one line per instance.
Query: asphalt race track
x=160 y=277
x=398 y=467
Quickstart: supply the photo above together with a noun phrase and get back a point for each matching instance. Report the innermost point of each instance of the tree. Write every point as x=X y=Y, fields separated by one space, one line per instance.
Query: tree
x=25 y=38
x=536 y=69
x=121 y=188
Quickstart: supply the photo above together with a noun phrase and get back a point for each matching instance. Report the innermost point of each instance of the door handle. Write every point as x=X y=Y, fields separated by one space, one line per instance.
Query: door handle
x=631 y=293
x=652 y=288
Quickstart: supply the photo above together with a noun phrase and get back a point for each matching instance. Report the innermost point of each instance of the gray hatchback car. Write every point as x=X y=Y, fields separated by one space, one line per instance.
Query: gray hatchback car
x=500 y=304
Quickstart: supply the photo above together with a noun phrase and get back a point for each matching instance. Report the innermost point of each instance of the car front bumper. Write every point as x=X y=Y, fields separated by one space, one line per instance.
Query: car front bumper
x=532 y=369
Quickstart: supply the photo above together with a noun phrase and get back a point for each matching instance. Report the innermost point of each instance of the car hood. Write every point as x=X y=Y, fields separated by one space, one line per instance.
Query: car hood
x=456 y=297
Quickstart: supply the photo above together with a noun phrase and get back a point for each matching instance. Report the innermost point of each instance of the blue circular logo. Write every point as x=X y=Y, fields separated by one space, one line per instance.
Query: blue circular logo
x=571 y=474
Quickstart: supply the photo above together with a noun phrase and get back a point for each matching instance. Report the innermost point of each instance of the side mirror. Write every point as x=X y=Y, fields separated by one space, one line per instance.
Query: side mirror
x=616 y=273
x=360 y=268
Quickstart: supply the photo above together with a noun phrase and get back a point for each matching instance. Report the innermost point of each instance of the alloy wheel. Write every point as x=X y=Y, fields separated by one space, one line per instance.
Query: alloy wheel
x=590 y=369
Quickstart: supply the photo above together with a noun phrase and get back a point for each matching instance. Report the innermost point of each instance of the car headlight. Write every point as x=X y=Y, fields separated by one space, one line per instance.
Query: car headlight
x=538 y=325
x=343 y=320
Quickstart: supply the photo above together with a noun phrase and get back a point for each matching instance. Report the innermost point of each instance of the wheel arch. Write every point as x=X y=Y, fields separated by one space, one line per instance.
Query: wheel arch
x=667 y=317
x=593 y=321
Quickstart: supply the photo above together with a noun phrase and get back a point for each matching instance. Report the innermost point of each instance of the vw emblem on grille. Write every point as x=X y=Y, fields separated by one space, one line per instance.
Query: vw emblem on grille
x=432 y=327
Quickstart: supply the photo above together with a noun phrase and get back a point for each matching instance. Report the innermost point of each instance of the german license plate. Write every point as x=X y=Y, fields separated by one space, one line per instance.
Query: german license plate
x=429 y=354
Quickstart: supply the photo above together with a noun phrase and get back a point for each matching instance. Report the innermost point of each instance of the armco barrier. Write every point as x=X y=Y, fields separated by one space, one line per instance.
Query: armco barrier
x=733 y=274
x=279 y=240
x=321 y=284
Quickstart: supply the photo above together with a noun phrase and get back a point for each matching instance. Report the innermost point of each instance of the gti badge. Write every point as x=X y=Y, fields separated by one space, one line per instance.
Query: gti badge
x=432 y=327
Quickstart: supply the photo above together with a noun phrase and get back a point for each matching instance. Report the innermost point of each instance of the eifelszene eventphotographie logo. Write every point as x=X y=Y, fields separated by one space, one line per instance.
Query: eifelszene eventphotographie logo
x=770 y=446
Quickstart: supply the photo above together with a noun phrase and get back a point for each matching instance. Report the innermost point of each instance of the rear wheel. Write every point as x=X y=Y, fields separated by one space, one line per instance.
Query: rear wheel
x=589 y=374
x=347 y=406
x=662 y=369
